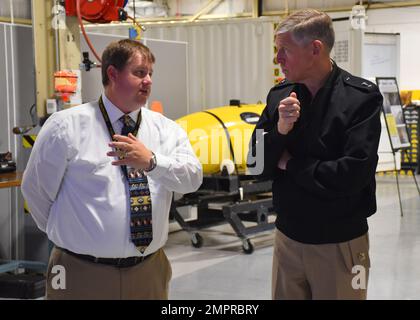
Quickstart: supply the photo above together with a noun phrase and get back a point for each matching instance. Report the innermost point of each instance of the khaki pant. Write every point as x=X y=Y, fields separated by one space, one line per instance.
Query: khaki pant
x=325 y=271
x=69 y=277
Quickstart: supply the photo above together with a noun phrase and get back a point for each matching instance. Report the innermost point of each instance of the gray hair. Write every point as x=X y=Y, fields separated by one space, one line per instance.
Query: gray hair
x=308 y=25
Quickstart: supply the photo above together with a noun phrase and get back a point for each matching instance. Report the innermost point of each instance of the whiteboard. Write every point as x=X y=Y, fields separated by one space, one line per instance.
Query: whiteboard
x=381 y=59
x=380 y=55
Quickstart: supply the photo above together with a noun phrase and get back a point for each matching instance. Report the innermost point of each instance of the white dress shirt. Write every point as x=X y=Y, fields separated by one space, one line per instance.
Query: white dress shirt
x=81 y=200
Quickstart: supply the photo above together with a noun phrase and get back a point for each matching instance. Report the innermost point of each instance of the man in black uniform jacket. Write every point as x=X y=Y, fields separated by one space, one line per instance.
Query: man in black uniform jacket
x=321 y=134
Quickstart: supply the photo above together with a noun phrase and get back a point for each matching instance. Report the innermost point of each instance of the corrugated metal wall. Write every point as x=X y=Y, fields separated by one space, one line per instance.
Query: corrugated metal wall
x=226 y=60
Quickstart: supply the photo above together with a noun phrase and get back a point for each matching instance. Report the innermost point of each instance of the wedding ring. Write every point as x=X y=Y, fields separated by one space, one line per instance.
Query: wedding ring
x=122 y=154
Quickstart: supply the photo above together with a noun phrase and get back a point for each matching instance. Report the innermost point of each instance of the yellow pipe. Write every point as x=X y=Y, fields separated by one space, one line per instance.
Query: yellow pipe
x=255 y=9
x=210 y=5
x=44 y=53
x=16 y=20
x=167 y=22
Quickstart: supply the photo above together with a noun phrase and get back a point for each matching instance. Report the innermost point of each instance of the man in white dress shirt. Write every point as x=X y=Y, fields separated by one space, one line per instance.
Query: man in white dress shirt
x=79 y=194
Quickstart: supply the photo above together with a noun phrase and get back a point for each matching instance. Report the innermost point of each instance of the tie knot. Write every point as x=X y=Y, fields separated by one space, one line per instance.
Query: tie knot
x=129 y=124
x=126 y=119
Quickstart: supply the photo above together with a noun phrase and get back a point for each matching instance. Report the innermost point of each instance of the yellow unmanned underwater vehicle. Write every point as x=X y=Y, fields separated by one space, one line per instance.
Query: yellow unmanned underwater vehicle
x=220 y=136
x=220 y=139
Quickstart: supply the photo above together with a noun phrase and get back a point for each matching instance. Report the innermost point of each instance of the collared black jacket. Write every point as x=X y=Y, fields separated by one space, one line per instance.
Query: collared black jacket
x=328 y=188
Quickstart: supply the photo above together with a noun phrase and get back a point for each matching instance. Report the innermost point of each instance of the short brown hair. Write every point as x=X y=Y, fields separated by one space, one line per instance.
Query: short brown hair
x=119 y=53
x=308 y=25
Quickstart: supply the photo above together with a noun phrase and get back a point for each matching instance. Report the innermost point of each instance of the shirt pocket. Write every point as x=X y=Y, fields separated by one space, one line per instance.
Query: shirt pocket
x=98 y=174
x=87 y=166
x=355 y=252
x=97 y=167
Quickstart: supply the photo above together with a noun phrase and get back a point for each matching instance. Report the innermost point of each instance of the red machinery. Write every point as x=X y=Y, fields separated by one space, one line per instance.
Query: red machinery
x=97 y=10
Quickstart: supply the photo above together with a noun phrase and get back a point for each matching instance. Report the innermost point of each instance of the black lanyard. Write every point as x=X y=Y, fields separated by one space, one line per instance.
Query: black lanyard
x=111 y=129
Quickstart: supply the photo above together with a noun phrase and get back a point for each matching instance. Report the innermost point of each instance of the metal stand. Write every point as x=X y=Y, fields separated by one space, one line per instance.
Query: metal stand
x=398 y=183
x=231 y=199
x=388 y=85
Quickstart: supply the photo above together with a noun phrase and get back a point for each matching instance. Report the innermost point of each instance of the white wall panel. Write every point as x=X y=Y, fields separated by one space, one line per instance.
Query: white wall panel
x=17 y=8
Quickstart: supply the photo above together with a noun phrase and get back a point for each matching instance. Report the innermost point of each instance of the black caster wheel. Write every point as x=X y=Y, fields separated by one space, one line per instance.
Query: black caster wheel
x=247 y=246
x=196 y=240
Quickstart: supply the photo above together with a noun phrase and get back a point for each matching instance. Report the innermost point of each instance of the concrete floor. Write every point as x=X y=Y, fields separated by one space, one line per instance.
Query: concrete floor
x=219 y=270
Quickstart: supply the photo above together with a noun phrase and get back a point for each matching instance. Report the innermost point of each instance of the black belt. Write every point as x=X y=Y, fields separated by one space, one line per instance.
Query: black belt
x=116 y=262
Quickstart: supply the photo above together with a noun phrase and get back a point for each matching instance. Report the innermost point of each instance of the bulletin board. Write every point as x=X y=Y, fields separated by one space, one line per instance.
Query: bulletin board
x=393 y=112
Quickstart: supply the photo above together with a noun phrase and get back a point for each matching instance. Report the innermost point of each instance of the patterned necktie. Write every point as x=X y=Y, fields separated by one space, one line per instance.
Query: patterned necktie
x=140 y=199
